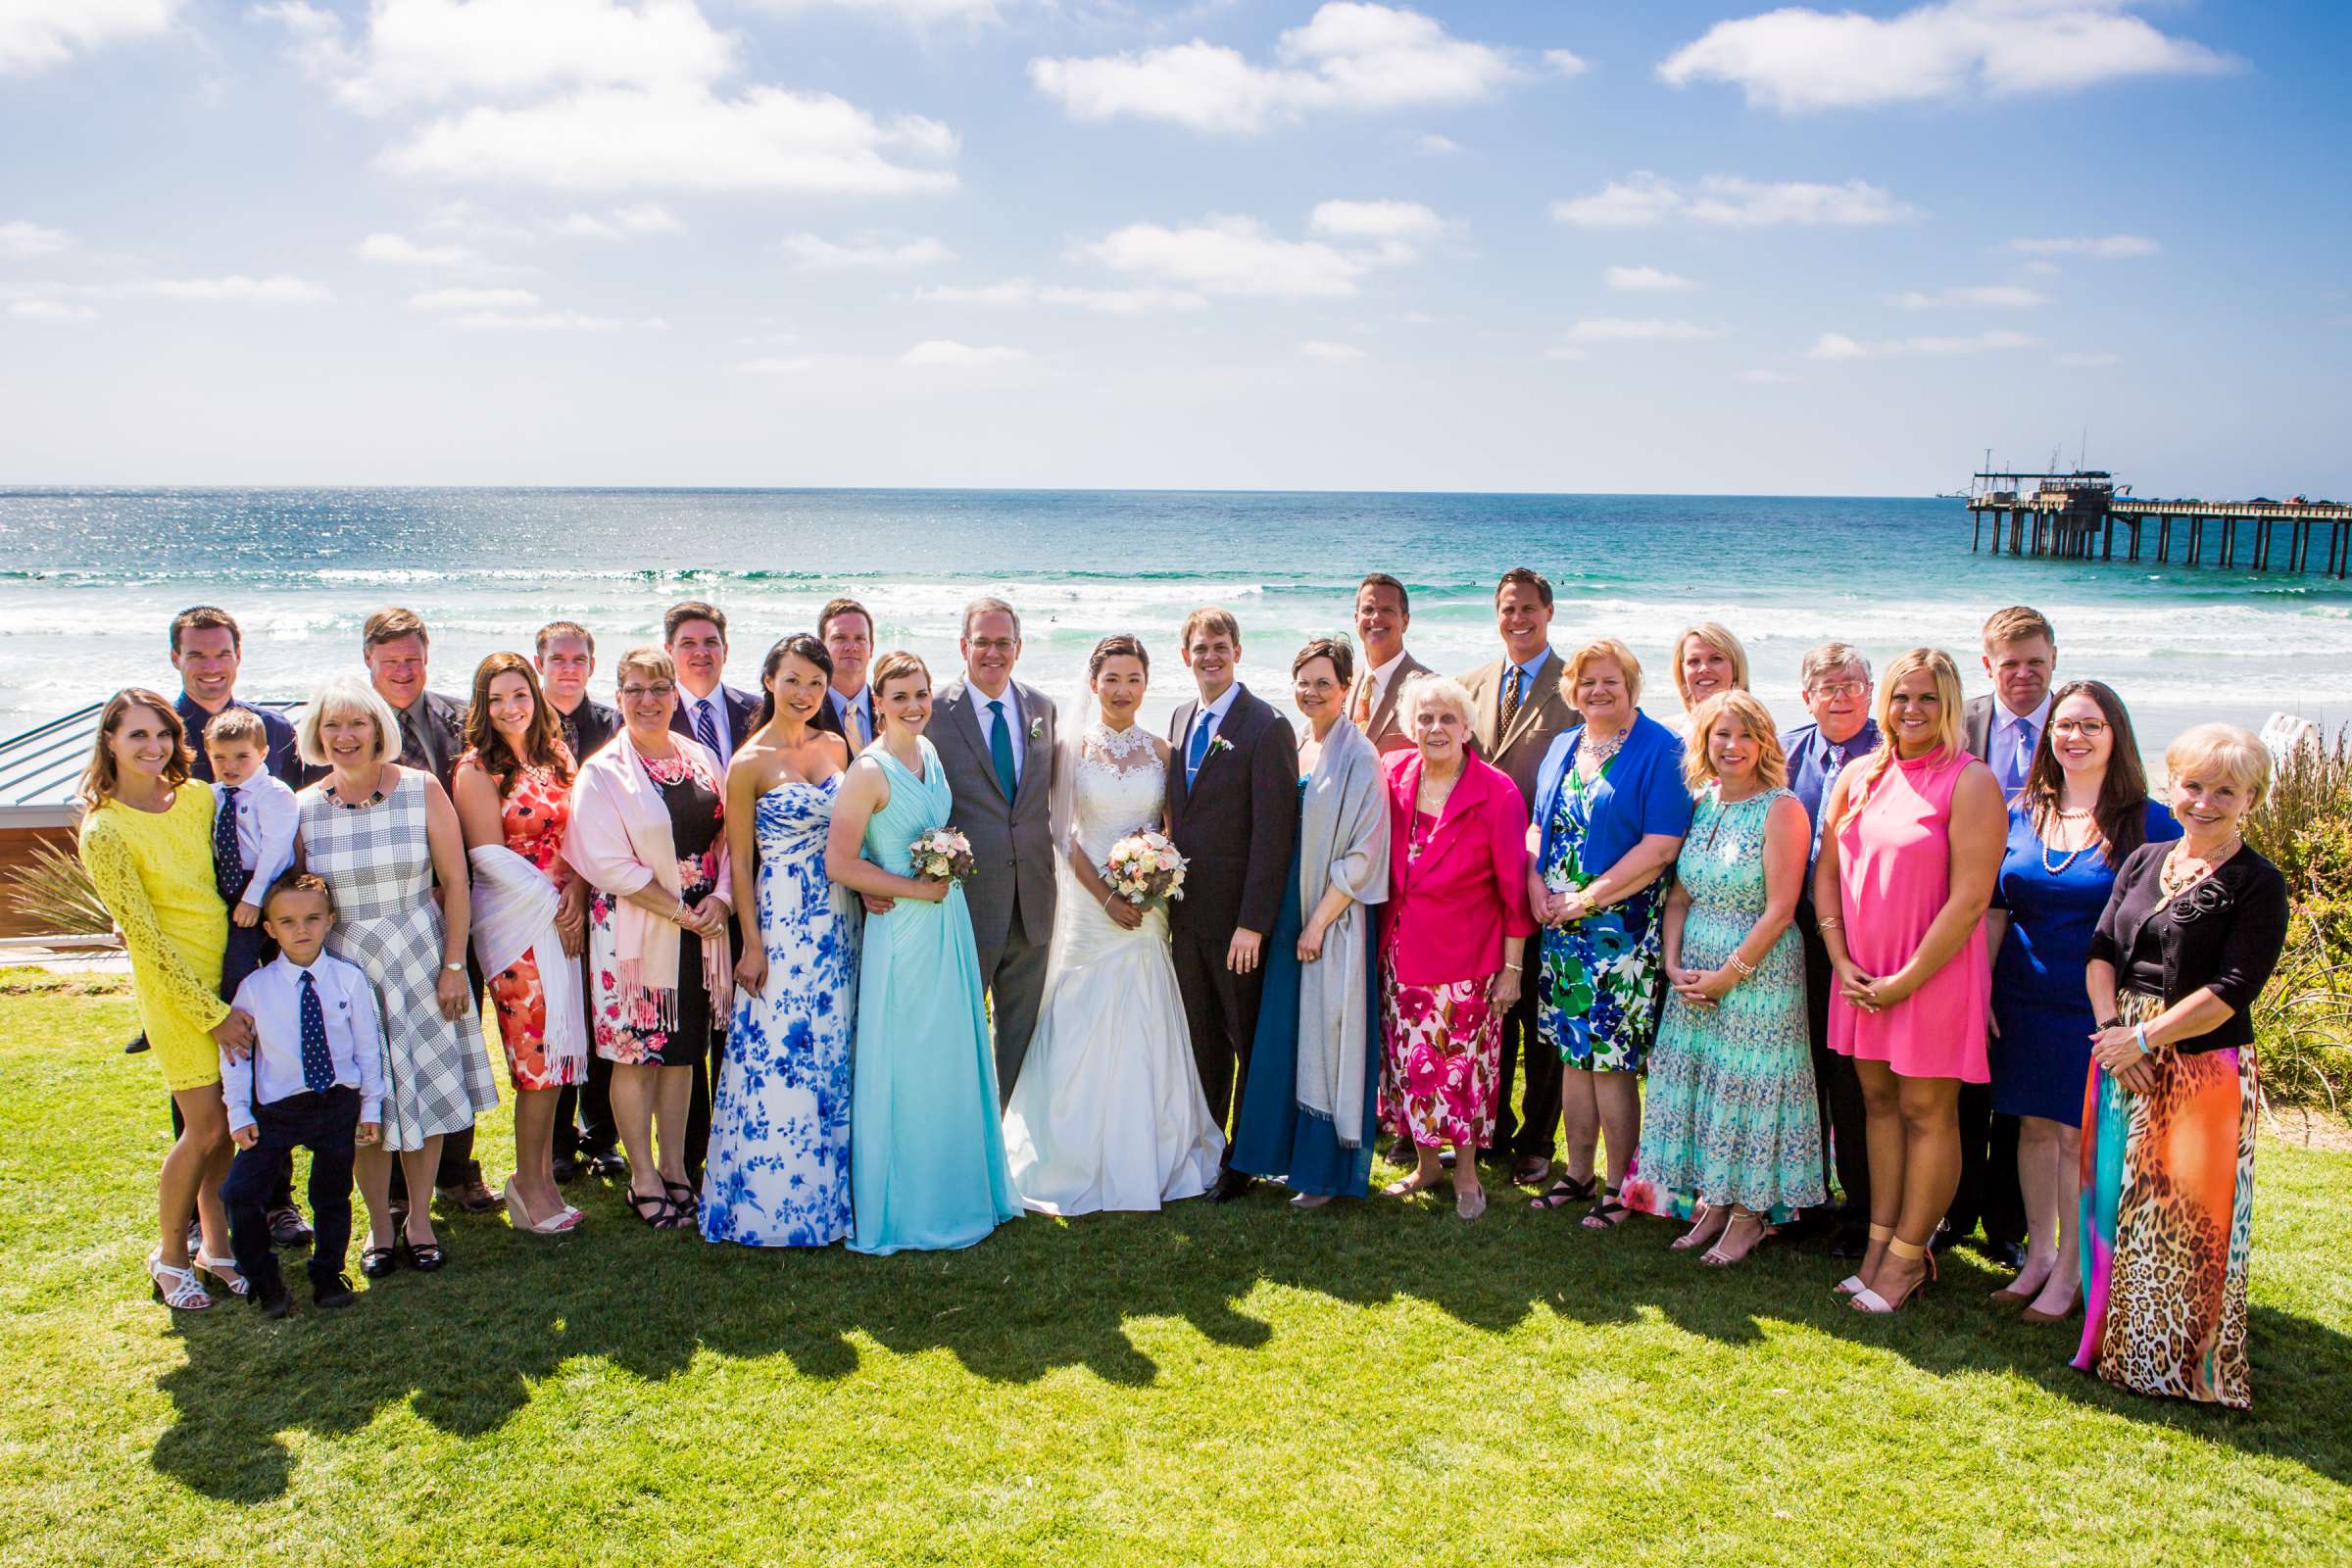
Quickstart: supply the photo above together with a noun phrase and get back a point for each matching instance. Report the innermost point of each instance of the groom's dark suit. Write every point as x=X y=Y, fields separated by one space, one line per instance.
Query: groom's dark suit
x=1234 y=825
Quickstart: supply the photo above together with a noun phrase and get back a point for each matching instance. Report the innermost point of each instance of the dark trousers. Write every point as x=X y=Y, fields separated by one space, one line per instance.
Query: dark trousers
x=1220 y=1012
x=249 y=948
x=1988 y=1191
x=595 y=1132
x=1836 y=1088
x=1533 y=1130
x=324 y=1124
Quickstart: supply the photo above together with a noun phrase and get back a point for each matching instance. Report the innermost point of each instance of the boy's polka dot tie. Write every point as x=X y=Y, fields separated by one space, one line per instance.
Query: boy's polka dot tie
x=317 y=1067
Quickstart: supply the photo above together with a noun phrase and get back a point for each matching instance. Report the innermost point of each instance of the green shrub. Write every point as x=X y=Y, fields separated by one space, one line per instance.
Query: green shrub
x=2304 y=1020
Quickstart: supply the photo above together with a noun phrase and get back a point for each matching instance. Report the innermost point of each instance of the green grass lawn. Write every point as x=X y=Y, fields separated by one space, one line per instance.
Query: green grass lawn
x=1373 y=1384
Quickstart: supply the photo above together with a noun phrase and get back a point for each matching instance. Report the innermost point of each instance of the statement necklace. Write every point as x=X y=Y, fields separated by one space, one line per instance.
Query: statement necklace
x=1598 y=753
x=2172 y=882
x=375 y=797
x=2073 y=854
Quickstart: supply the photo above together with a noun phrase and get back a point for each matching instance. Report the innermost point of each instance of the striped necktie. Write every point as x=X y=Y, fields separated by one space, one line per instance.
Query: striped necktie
x=706 y=729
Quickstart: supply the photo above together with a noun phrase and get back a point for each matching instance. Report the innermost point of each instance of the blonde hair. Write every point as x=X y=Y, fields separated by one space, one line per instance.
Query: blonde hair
x=2237 y=751
x=1716 y=635
x=649 y=660
x=99 y=780
x=1950 y=735
x=1698 y=762
x=1425 y=689
x=1609 y=647
x=896 y=664
x=1830 y=657
x=234 y=727
x=1212 y=620
x=346 y=694
x=2015 y=624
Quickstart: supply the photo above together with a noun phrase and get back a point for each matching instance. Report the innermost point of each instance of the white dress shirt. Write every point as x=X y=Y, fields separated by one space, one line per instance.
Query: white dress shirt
x=267 y=816
x=863 y=702
x=2010 y=747
x=716 y=704
x=1013 y=722
x=1209 y=716
x=355 y=1042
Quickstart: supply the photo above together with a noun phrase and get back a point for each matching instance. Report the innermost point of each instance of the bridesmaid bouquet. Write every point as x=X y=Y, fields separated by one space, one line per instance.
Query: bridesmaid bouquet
x=1145 y=868
x=943 y=855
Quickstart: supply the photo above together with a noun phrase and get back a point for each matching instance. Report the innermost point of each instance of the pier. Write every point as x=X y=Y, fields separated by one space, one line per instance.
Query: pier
x=2079 y=516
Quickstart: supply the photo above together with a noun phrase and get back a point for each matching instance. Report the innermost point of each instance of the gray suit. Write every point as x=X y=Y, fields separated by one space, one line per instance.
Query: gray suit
x=1011 y=894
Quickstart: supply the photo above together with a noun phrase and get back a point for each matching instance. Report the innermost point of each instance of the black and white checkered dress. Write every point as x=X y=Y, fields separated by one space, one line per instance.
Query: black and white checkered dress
x=379 y=863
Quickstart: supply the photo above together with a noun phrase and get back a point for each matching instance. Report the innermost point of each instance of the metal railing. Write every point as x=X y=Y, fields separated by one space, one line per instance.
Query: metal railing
x=39 y=767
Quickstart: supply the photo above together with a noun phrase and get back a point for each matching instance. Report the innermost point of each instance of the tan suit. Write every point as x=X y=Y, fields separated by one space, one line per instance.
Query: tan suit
x=1384 y=729
x=1543 y=717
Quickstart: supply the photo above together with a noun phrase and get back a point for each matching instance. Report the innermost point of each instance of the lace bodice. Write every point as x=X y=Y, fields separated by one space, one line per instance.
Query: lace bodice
x=1121 y=787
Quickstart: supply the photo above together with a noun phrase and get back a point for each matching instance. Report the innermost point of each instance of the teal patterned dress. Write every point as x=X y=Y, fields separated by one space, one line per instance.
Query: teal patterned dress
x=1731 y=1115
x=1600 y=977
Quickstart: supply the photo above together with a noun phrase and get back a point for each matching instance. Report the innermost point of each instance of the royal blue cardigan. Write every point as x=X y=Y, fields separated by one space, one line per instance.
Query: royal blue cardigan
x=1643 y=792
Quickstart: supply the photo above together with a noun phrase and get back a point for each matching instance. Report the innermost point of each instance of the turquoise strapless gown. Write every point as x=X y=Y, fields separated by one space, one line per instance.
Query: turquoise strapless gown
x=927 y=1167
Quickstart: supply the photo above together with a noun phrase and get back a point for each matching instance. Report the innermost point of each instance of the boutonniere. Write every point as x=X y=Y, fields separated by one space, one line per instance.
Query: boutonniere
x=1037 y=728
x=1218 y=743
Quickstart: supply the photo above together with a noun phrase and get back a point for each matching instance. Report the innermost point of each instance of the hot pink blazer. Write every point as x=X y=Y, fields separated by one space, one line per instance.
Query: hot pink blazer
x=1450 y=907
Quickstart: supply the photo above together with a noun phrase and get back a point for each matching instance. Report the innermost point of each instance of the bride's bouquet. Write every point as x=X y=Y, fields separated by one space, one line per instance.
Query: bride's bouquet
x=1145 y=868
x=943 y=855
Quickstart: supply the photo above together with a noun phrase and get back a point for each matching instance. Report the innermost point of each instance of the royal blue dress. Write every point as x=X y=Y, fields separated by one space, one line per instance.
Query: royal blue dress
x=2041 y=1059
x=1275 y=1137
x=927 y=1167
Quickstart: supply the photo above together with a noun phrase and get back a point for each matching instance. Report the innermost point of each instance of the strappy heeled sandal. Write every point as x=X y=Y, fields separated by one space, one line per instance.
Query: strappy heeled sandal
x=1715 y=1257
x=224 y=1272
x=655 y=1209
x=176 y=1288
x=1869 y=1300
x=1608 y=1213
x=1562 y=1193
x=1692 y=1237
x=1852 y=1284
x=681 y=1197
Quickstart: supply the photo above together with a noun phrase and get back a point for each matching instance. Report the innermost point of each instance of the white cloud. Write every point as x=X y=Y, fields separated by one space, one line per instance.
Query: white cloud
x=1839 y=346
x=1731 y=201
x=536 y=321
x=1432 y=142
x=38 y=310
x=1228 y=256
x=1993 y=296
x=2079 y=361
x=914 y=13
x=235 y=289
x=35 y=34
x=1017 y=291
x=1379 y=220
x=1350 y=55
x=866 y=253
x=1646 y=329
x=1646 y=280
x=2105 y=247
x=19 y=241
x=947 y=352
x=621 y=223
x=473 y=299
x=1797 y=60
x=611 y=139
x=395 y=250
x=790 y=366
x=1336 y=353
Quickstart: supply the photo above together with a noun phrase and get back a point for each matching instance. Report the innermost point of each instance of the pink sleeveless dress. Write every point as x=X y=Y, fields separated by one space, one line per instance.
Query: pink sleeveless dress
x=1894 y=863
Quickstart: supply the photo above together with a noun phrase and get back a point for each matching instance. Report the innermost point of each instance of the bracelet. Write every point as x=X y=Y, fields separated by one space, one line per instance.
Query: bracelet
x=1514 y=968
x=2139 y=1038
x=1747 y=970
x=1828 y=922
x=2111 y=1024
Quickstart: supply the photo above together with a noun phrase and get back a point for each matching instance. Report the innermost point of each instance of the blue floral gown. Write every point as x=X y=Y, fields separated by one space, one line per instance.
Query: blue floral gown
x=778 y=1171
x=1600 y=977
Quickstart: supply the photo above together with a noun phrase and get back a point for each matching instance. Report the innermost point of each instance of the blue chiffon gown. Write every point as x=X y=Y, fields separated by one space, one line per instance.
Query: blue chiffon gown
x=1276 y=1136
x=927 y=1167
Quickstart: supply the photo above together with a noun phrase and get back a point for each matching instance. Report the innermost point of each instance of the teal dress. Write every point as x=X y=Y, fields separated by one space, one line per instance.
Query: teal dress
x=927 y=1167
x=1731 y=1115
x=1276 y=1136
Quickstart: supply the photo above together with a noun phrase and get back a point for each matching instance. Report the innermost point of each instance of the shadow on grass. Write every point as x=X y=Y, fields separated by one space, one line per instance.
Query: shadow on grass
x=465 y=1347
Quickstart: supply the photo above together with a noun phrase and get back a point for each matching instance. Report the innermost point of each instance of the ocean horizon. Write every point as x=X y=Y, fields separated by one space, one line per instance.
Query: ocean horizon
x=94 y=575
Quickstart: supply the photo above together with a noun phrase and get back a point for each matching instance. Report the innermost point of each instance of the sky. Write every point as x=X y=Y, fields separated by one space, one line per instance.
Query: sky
x=1251 y=244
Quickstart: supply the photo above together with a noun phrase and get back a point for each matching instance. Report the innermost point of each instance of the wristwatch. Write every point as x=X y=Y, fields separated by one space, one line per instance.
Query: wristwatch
x=455 y=969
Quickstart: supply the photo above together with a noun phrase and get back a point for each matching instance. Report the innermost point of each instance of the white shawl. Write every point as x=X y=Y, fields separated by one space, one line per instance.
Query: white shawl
x=1343 y=844
x=513 y=914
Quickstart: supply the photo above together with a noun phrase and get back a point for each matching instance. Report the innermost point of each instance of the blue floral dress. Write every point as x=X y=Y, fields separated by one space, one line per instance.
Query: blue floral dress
x=1599 y=1002
x=778 y=1171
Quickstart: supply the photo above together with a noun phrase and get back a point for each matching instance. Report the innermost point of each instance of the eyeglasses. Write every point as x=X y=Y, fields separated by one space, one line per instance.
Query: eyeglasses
x=995 y=645
x=1840 y=688
x=2090 y=729
x=631 y=694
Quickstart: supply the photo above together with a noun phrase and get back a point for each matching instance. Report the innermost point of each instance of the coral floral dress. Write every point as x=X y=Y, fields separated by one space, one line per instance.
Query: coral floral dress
x=534 y=814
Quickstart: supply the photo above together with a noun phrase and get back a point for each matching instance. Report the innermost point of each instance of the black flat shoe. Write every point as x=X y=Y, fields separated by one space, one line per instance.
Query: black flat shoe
x=424 y=1257
x=275 y=1304
x=566 y=1171
x=333 y=1295
x=1230 y=1186
x=377 y=1261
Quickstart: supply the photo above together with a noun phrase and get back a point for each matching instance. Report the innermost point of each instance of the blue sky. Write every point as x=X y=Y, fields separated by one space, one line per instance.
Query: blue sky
x=1258 y=243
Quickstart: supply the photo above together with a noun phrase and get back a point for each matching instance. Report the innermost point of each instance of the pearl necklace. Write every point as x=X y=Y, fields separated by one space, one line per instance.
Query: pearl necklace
x=2077 y=852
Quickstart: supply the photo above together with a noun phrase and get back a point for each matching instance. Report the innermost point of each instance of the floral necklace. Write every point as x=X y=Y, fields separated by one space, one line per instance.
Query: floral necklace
x=2172 y=881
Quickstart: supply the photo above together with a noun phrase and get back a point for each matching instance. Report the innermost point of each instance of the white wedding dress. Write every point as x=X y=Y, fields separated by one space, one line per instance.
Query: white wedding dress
x=1107 y=1113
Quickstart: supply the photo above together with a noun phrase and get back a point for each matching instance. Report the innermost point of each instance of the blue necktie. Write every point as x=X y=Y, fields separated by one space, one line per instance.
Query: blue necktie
x=2021 y=755
x=317 y=1067
x=1198 y=749
x=706 y=729
x=1000 y=747
x=229 y=867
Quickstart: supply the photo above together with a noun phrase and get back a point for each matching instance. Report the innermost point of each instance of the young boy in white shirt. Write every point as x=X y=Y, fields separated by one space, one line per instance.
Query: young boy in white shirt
x=252 y=834
x=315 y=1080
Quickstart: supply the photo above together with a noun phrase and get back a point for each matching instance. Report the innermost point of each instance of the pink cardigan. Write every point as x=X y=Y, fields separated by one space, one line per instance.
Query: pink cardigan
x=1450 y=909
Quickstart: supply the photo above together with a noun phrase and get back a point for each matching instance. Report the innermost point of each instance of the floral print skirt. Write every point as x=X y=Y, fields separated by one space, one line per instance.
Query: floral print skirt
x=521 y=1004
x=1599 y=982
x=1443 y=1046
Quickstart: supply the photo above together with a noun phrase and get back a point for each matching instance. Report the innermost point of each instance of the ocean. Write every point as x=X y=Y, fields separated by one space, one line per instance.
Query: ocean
x=93 y=576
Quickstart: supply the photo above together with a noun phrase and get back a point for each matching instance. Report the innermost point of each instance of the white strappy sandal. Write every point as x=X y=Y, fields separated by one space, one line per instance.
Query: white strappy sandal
x=223 y=1271
x=176 y=1288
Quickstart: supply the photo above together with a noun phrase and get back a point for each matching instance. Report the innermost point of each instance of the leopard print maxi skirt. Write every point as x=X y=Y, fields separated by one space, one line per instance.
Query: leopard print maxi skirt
x=2168 y=1208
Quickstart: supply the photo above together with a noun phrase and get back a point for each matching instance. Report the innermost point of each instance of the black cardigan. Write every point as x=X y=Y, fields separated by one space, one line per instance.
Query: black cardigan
x=2223 y=933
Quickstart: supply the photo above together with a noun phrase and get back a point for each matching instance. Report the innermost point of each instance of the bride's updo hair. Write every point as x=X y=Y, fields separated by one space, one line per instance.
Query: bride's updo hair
x=799 y=645
x=1334 y=649
x=1118 y=644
